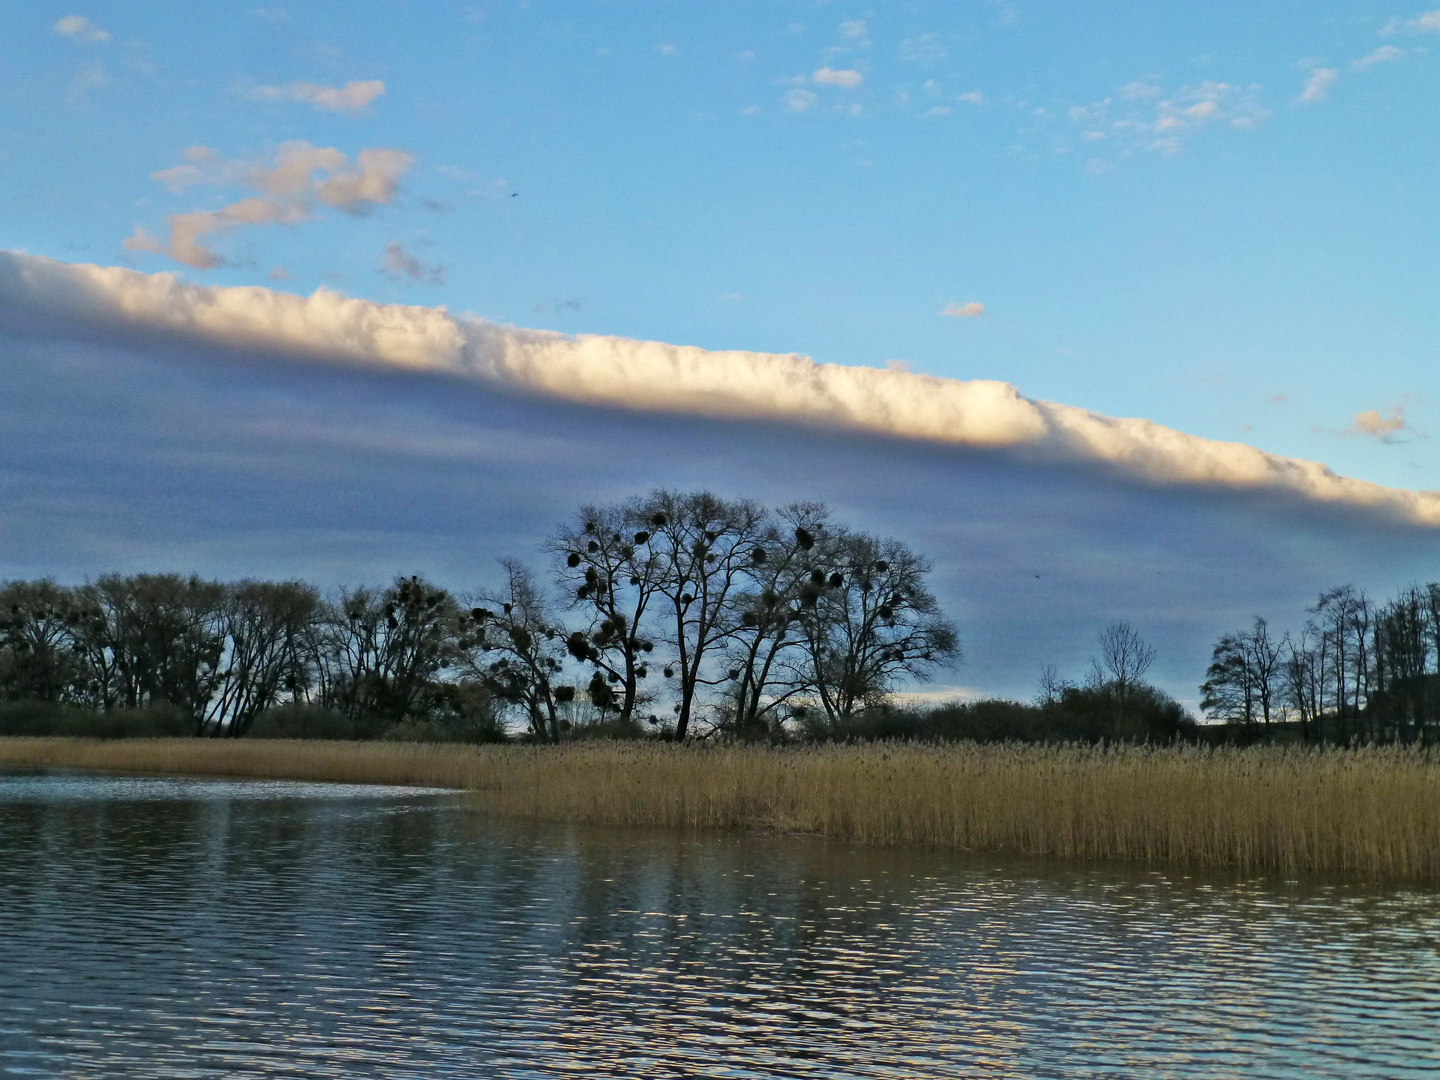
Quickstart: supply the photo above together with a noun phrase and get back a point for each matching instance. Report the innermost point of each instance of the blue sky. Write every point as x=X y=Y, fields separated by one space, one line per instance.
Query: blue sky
x=1219 y=217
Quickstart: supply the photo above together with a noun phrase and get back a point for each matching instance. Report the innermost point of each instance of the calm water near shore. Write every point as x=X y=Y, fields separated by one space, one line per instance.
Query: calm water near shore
x=213 y=928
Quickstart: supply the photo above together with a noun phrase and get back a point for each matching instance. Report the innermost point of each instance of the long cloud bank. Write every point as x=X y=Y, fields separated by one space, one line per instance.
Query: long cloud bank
x=648 y=375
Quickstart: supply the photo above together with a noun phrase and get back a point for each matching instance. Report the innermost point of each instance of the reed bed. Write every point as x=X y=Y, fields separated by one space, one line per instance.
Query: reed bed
x=1371 y=812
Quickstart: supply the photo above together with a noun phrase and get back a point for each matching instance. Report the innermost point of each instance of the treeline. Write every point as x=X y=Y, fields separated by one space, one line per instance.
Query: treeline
x=665 y=613
x=1357 y=671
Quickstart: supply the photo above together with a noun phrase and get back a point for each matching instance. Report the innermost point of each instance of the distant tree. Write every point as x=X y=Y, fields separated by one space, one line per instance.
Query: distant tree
x=382 y=653
x=703 y=546
x=610 y=570
x=266 y=627
x=765 y=657
x=153 y=638
x=1052 y=685
x=1403 y=698
x=868 y=620
x=1244 y=677
x=521 y=650
x=1120 y=670
x=38 y=622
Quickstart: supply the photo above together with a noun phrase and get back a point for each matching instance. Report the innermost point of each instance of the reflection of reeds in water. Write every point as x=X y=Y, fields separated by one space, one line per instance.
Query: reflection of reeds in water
x=1371 y=812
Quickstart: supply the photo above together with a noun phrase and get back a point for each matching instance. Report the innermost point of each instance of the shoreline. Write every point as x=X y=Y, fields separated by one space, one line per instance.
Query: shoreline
x=1371 y=813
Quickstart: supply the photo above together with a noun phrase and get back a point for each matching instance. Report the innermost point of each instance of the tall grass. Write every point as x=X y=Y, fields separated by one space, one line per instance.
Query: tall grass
x=1372 y=812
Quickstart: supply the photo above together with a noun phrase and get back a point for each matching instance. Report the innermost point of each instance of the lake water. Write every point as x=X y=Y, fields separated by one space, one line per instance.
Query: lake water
x=206 y=928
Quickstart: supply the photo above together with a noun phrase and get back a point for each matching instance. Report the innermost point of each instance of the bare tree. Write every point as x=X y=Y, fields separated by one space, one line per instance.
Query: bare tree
x=612 y=573
x=265 y=626
x=523 y=650
x=869 y=620
x=382 y=652
x=39 y=622
x=1052 y=685
x=703 y=546
x=764 y=662
x=1124 y=660
x=1243 y=679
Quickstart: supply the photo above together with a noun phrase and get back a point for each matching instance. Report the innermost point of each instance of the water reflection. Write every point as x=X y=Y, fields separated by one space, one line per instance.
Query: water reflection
x=209 y=928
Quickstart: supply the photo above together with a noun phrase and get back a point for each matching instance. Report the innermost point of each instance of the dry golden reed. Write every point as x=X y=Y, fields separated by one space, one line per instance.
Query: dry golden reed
x=1372 y=812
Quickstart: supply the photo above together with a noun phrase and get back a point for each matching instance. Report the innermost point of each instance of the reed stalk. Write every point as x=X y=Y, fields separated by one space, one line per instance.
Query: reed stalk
x=1372 y=812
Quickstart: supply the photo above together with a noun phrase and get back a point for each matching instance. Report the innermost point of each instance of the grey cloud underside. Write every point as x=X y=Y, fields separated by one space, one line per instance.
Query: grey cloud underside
x=658 y=377
x=199 y=459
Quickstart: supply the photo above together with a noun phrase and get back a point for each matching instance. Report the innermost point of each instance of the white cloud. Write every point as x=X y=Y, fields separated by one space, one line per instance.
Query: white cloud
x=800 y=100
x=969 y=310
x=287 y=184
x=1425 y=23
x=1377 y=426
x=973 y=97
x=846 y=78
x=922 y=49
x=188 y=230
x=856 y=31
x=1385 y=54
x=653 y=376
x=89 y=78
x=399 y=265
x=1143 y=115
x=79 y=28
x=353 y=97
x=1317 y=87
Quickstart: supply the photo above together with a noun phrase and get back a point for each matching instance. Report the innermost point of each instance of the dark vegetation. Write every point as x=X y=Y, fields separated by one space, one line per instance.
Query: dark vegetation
x=671 y=616
x=1358 y=671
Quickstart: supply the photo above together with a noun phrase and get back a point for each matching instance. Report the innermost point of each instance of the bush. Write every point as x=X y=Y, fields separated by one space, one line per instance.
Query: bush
x=48 y=718
x=312 y=722
x=303 y=722
x=1081 y=714
x=474 y=730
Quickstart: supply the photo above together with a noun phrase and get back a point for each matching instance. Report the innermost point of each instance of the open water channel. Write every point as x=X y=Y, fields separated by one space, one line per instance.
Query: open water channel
x=212 y=928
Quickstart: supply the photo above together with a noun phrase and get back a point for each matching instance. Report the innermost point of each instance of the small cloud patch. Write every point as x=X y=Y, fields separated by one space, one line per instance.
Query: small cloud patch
x=79 y=28
x=1376 y=425
x=399 y=265
x=843 y=77
x=969 y=310
x=353 y=97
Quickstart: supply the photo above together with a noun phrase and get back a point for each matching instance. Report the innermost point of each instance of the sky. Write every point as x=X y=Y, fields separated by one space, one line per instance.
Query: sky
x=995 y=227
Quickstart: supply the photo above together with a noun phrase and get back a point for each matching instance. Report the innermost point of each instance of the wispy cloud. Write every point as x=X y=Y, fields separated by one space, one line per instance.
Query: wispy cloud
x=399 y=265
x=87 y=80
x=353 y=97
x=287 y=185
x=1425 y=23
x=1385 y=54
x=830 y=77
x=922 y=49
x=800 y=100
x=79 y=28
x=969 y=310
x=1143 y=115
x=1376 y=425
x=653 y=376
x=1317 y=86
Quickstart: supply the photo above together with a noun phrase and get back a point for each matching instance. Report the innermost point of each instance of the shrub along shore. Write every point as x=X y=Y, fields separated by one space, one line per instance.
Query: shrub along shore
x=1371 y=812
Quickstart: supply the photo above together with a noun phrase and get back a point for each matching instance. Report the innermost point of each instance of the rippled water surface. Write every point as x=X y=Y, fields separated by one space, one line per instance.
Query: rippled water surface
x=208 y=928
